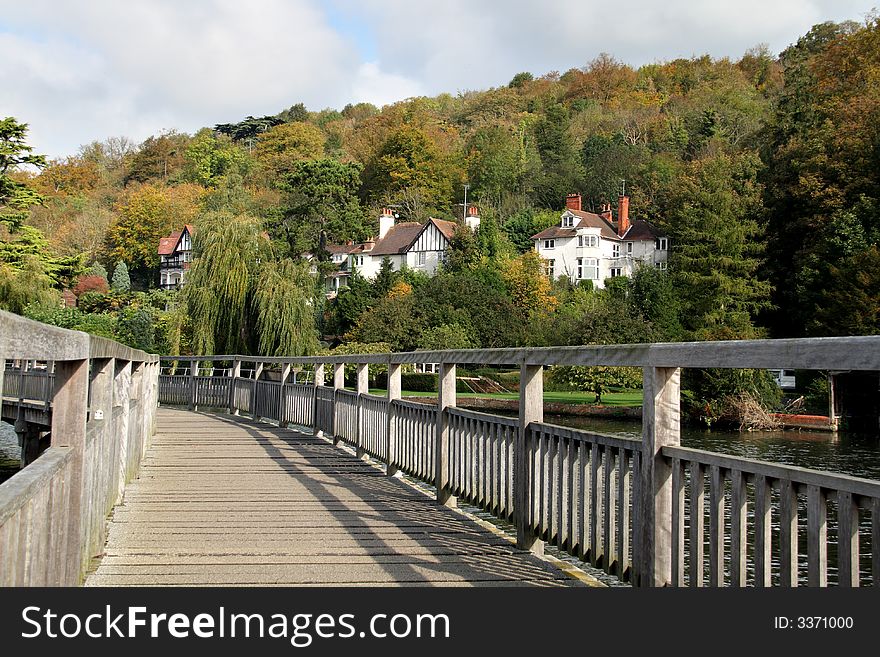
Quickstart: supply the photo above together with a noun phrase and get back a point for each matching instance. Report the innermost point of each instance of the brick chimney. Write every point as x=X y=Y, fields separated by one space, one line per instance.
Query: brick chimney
x=573 y=202
x=622 y=215
x=386 y=222
x=605 y=213
x=472 y=220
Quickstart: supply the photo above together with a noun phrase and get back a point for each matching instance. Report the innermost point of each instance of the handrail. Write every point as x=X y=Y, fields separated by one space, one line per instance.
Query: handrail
x=836 y=353
x=99 y=398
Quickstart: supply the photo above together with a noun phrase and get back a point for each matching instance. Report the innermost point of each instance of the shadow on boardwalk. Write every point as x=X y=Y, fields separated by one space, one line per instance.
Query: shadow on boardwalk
x=223 y=501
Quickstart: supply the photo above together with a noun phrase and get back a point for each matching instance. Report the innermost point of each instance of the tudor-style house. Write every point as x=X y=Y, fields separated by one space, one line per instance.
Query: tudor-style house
x=593 y=247
x=175 y=257
x=418 y=246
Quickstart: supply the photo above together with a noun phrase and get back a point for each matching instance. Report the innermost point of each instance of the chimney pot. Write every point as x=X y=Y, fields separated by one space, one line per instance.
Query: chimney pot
x=573 y=202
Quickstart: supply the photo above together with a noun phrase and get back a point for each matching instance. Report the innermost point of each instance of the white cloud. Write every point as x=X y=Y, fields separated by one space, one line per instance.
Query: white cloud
x=82 y=70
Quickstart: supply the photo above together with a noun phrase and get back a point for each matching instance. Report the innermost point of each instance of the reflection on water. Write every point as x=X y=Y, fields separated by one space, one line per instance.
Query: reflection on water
x=10 y=453
x=852 y=454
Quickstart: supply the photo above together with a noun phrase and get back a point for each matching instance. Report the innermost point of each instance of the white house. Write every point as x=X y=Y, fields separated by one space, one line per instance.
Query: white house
x=419 y=246
x=175 y=256
x=588 y=246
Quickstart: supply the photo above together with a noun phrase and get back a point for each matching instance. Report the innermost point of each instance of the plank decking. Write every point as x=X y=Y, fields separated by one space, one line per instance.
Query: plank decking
x=223 y=501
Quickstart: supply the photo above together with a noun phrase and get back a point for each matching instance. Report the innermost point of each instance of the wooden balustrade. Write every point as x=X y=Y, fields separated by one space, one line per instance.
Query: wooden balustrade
x=100 y=400
x=648 y=511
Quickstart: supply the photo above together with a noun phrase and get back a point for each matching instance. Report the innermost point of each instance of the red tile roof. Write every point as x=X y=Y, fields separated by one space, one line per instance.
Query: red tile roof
x=168 y=244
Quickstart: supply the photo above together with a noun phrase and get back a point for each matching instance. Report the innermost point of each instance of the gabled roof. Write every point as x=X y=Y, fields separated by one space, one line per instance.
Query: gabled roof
x=639 y=229
x=334 y=249
x=586 y=220
x=168 y=245
x=642 y=230
x=398 y=239
x=448 y=228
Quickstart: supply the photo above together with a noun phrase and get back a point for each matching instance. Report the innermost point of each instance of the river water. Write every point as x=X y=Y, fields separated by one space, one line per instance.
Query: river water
x=10 y=452
x=852 y=454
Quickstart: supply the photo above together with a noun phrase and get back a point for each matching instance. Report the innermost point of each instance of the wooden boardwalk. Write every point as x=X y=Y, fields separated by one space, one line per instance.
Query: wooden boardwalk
x=227 y=501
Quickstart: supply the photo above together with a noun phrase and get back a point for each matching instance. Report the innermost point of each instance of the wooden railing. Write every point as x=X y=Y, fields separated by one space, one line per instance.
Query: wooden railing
x=102 y=399
x=638 y=509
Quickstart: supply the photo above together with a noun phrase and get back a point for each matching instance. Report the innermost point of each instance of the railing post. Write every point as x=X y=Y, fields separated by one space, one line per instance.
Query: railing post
x=394 y=392
x=531 y=409
x=69 y=411
x=103 y=448
x=338 y=384
x=258 y=372
x=121 y=400
x=317 y=383
x=234 y=373
x=445 y=399
x=660 y=428
x=282 y=418
x=193 y=385
x=363 y=387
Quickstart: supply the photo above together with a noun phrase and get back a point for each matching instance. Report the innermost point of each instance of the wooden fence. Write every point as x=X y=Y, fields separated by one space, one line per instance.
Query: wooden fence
x=650 y=511
x=102 y=397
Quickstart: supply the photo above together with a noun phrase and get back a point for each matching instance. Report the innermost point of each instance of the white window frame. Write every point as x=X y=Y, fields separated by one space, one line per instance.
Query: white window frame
x=422 y=258
x=590 y=268
x=660 y=265
x=551 y=269
x=580 y=268
x=619 y=271
x=629 y=248
x=615 y=250
x=549 y=244
x=662 y=244
x=567 y=221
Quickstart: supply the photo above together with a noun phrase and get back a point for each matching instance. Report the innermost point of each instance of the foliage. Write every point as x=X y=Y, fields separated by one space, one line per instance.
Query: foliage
x=598 y=380
x=146 y=214
x=91 y=283
x=278 y=149
x=120 y=281
x=15 y=196
x=240 y=297
x=320 y=206
x=446 y=336
x=209 y=159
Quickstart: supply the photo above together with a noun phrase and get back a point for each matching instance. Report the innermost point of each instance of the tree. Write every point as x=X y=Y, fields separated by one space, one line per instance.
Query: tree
x=411 y=159
x=28 y=269
x=209 y=159
x=320 y=206
x=250 y=128
x=446 y=336
x=279 y=149
x=145 y=215
x=241 y=298
x=527 y=283
x=120 y=281
x=717 y=244
x=158 y=157
x=15 y=197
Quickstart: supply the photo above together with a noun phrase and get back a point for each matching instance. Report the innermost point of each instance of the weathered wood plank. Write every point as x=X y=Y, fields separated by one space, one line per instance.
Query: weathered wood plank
x=848 y=541
x=738 y=529
x=697 y=511
x=678 y=501
x=817 y=539
x=763 y=529
x=716 y=526
x=788 y=533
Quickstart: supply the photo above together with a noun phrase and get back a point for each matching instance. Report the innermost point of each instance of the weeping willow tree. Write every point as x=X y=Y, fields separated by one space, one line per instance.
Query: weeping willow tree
x=240 y=298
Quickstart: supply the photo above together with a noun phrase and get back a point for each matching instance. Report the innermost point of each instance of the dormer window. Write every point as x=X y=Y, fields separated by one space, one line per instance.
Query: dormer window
x=567 y=221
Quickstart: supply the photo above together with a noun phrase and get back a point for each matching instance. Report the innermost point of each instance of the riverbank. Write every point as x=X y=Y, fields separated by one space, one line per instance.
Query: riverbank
x=511 y=406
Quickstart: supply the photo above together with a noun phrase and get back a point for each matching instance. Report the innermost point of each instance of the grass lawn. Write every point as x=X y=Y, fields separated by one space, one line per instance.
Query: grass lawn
x=622 y=398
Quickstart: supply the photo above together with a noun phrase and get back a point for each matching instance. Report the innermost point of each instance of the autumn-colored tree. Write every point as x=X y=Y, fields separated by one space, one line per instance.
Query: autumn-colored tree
x=146 y=214
x=279 y=149
x=158 y=158
x=528 y=284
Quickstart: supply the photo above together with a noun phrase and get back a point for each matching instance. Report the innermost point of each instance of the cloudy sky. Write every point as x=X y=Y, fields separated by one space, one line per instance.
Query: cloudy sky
x=81 y=70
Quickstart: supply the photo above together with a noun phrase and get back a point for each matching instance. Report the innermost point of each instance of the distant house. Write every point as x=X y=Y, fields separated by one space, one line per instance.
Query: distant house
x=175 y=257
x=585 y=246
x=418 y=246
